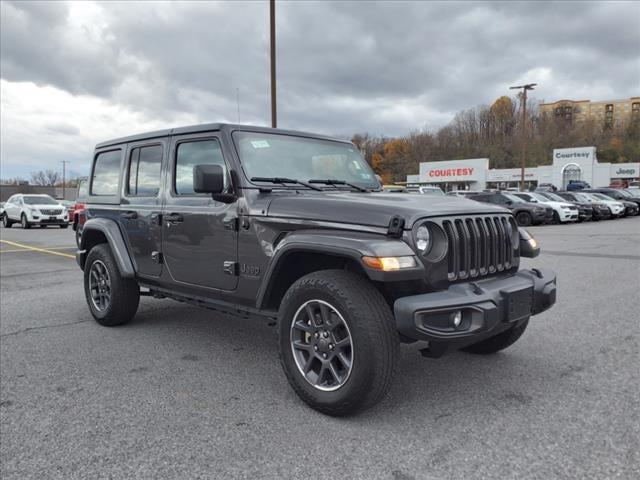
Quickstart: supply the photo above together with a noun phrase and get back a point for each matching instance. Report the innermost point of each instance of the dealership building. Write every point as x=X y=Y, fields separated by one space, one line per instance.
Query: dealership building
x=568 y=164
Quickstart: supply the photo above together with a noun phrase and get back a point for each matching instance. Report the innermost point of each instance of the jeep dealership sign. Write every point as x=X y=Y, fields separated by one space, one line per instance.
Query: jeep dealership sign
x=625 y=170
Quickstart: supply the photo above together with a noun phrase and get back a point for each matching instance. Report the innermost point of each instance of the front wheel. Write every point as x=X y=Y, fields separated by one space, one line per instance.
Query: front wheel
x=24 y=223
x=64 y=226
x=112 y=299
x=6 y=222
x=499 y=342
x=524 y=219
x=556 y=218
x=338 y=343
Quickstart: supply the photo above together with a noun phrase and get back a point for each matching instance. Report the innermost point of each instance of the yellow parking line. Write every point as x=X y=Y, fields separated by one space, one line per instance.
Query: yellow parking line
x=36 y=249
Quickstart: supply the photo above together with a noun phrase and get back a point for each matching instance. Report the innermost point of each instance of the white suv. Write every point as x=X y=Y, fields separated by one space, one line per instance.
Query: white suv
x=562 y=212
x=32 y=209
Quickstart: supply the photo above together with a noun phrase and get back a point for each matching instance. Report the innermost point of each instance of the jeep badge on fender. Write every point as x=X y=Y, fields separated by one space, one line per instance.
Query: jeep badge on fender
x=348 y=271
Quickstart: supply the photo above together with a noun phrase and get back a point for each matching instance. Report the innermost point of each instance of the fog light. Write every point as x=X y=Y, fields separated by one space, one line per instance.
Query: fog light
x=456 y=318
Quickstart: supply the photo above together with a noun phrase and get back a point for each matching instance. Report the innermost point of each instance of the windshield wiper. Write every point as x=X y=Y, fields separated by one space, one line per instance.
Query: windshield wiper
x=339 y=182
x=283 y=181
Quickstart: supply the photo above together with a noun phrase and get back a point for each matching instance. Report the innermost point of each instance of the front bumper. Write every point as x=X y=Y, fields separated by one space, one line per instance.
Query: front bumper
x=487 y=308
x=568 y=215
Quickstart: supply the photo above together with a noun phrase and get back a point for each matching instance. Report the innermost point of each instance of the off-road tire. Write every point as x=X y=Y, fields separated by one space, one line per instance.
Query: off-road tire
x=125 y=292
x=499 y=342
x=524 y=219
x=24 y=222
x=374 y=338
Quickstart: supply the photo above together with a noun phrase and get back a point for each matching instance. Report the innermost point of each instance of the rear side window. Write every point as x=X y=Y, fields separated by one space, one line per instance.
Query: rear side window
x=190 y=154
x=144 y=171
x=106 y=172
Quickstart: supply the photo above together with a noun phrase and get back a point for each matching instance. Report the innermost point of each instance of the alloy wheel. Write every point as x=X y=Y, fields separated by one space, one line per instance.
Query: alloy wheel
x=100 y=286
x=321 y=345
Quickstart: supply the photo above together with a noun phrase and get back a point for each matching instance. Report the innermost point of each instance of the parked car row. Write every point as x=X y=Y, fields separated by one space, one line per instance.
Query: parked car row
x=546 y=206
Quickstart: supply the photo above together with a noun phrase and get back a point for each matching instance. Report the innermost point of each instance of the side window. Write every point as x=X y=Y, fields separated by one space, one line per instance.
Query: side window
x=498 y=199
x=144 y=171
x=106 y=172
x=190 y=154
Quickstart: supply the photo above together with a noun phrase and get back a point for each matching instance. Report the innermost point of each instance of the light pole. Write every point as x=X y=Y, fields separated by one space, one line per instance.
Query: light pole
x=64 y=171
x=528 y=86
x=272 y=25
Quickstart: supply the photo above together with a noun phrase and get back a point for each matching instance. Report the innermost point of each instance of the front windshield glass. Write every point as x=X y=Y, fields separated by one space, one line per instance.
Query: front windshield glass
x=300 y=158
x=582 y=197
x=34 y=200
x=540 y=197
x=554 y=196
x=513 y=198
x=602 y=196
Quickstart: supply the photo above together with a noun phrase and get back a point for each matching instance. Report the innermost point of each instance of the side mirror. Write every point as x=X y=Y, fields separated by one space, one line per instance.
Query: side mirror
x=210 y=179
x=529 y=248
x=509 y=202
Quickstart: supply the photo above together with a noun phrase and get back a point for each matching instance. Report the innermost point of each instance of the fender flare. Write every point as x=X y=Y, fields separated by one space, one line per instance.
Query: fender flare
x=351 y=245
x=109 y=228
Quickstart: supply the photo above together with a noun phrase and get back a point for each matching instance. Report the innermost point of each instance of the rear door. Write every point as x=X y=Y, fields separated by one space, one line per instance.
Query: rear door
x=199 y=235
x=141 y=205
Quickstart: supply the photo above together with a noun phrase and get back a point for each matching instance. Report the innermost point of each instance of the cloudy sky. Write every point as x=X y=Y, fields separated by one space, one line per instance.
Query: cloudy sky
x=73 y=74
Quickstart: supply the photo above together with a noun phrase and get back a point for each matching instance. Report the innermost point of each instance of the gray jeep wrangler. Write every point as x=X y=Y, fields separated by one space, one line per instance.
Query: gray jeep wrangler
x=294 y=228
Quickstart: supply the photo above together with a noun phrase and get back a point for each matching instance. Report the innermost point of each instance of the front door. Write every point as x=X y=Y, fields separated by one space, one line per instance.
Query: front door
x=142 y=205
x=200 y=241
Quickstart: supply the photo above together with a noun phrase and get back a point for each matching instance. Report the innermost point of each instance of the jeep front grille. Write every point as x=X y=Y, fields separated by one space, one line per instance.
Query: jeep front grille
x=478 y=246
x=46 y=211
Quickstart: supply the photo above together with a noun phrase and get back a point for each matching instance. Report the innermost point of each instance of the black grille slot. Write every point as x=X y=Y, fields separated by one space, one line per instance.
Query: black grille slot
x=478 y=246
x=46 y=211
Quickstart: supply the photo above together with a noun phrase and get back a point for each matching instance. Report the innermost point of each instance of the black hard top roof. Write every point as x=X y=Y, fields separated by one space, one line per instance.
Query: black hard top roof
x=208 y=127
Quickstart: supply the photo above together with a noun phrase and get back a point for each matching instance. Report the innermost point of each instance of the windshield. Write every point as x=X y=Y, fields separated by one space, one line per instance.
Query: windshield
x=554 y=196
x=513 y=198
x=581 y=197
x=539 y=197
x=34 y=200
x=274 y=155
x=602 y=196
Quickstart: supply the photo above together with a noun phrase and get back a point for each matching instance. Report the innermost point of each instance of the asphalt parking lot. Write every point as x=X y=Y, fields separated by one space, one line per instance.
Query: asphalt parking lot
x=187 y=393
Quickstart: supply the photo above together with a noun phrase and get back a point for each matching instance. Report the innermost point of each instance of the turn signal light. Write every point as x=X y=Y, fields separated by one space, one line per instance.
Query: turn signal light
x=387 y=264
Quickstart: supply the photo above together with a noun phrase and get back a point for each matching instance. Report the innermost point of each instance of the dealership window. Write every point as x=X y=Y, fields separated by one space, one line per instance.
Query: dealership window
x=144 y=171
x=106 y=172
x=609 y=107
x=190 y=154
x=571 y=172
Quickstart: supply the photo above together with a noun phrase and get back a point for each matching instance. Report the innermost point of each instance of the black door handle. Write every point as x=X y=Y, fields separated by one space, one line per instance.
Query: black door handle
x=129 y=215
x=173 y=217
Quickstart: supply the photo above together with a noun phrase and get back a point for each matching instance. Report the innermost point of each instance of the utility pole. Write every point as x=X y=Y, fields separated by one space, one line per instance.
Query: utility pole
x=64 y=180
x=272 y=24
x=528 y=86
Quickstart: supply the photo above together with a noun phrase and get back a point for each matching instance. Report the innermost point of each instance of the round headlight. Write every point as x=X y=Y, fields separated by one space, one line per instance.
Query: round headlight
x=423 y=238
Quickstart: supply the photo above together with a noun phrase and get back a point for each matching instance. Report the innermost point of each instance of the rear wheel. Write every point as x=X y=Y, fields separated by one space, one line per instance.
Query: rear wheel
x=24 y=222
x=499 y=342
x=338 y=343
x=524 y=219
x=112 y=299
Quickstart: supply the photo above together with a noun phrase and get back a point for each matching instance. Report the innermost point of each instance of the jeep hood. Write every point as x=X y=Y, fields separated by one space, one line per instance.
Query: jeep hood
x=373 y=209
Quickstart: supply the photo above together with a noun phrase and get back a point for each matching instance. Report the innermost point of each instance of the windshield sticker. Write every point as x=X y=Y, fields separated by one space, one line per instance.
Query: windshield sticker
x=259 y=144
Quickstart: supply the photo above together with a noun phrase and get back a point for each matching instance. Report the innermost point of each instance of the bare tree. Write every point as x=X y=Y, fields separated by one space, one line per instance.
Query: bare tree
x=45 y=177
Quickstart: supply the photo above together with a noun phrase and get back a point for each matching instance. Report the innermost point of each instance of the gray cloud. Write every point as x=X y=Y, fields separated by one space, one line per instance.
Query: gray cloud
x=343 y=67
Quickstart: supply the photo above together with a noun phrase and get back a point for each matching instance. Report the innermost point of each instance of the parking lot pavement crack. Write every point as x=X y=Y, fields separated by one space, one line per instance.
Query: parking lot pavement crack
x=29 y=329
x=591 y=255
